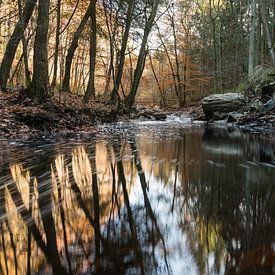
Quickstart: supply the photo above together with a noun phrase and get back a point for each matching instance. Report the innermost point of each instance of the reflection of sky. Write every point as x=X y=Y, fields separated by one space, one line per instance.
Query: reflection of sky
x=179 y=257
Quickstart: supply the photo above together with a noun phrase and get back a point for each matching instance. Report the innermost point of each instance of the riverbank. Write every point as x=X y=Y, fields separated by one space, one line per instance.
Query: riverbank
x=59 y=115
x=64 y=115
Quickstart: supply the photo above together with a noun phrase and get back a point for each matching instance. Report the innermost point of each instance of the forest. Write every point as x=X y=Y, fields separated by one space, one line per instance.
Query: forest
x=167 y=53
x=137 y=137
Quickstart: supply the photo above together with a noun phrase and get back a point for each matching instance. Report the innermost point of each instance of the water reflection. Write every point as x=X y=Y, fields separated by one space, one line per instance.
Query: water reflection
x=148 y=200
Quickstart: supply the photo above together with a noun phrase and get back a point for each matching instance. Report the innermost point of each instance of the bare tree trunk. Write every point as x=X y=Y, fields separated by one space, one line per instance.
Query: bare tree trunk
x=57 y=39
x=267 y=32
x=252 y=39
x=162 y=101
x=213 y=23
x=119 y=73
x=90 y=91
x=112 y=35
x=13 y=43
x=141 y=57
x=170 y=64
x=40 y=64
x=181 y=92
x=24 y=43
x=72 y=49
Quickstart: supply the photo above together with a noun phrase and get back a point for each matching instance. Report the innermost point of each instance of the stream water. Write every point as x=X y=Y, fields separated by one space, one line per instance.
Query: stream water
x=139 y=198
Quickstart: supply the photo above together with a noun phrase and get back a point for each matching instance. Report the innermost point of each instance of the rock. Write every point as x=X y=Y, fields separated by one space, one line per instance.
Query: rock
x=160 y=115
x=268 y=106
x=197 y=113
x=234 y=117
x=256 y=104
x=217 y=106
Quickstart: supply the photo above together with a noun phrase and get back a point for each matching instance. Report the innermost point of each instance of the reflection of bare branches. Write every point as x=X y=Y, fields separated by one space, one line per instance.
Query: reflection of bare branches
x=96 y=207
x=122 y=180
x=4 y=248
x=146 y=199
x=13 y=248
x=59 y=163
x=178 y=149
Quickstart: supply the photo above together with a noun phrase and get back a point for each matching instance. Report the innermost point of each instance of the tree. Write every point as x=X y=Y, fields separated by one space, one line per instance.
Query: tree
x=13 y=42
x=149 y=22
x=73 y=47
x=40 y=64
x=57 y=40
x=252 y=39
x=267 y=32
x=90 y=91
x=121 y=57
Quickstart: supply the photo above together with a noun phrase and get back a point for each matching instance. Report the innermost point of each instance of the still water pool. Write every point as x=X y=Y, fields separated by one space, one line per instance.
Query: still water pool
x=139 y=199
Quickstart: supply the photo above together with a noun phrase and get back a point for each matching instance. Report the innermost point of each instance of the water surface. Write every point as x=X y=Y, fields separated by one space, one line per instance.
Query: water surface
x=139 y=199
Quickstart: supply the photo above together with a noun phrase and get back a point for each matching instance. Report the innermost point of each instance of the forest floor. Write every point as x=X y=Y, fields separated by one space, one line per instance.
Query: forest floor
x=59 y=115
x=65 y=115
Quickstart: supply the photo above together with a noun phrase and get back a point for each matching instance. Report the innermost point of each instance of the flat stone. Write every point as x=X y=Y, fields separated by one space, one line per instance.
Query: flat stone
x=218 y=106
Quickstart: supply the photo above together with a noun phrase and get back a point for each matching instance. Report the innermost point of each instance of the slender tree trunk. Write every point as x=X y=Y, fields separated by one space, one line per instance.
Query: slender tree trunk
x=170 y=64
x=162 y=101
x=40 y=64
x=141 y=57
x=267 y=32
x=119 y=72
x=181 y=92
x=57 y=39
x=13 y=42
x=213 y=24
x=252 y=39
x=24 y=43
x=72 y=49
x=112 y=35
x=90 y=91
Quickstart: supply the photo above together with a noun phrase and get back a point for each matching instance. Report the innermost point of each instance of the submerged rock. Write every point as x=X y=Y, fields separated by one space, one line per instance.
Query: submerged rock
x=218 y=106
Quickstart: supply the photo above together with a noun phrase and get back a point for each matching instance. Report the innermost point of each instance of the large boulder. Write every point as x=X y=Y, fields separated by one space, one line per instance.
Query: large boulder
x=218 y=106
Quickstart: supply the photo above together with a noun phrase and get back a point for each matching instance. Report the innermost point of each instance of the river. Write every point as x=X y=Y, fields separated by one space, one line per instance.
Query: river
x=139 y=198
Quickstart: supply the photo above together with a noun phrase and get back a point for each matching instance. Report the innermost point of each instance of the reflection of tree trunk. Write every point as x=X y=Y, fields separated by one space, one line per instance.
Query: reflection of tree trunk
x=2 y=214
x=176 y=174
x=62 y=216
x=122 y=180
x=146 y=199
x=79 y=199
x=28 y=272
x=4 y=248
x=29 y=253
x=96 y=206
x=45 y=207
x=82 y=205
x=13 y=248
x=26 y=216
